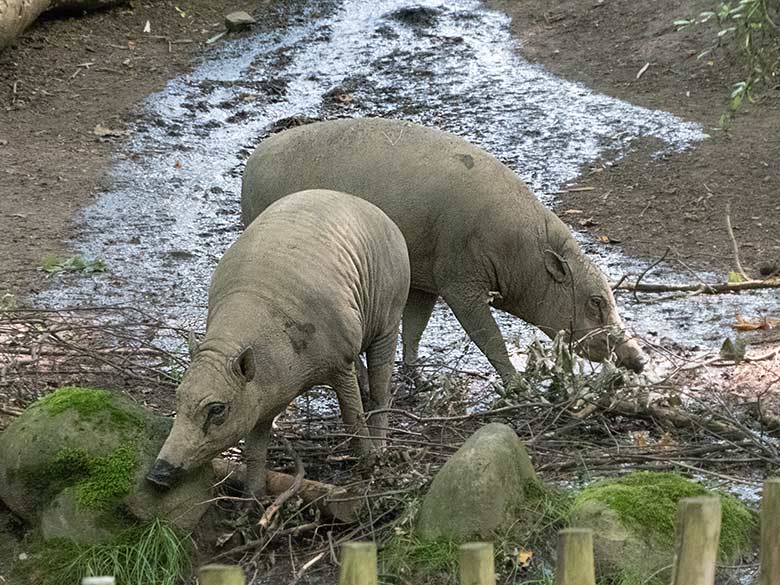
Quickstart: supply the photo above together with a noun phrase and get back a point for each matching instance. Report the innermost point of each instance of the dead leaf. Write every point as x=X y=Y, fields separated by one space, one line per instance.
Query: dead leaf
x=102 y=132
x=587 y=222
x=524 y=558
x=131 y=45
x=642 y=70
x=573 y=212
x=604 y=239
x=640 y=439
x=666 y=441
x=178 y=164
x=742 y=324
x=148 y=27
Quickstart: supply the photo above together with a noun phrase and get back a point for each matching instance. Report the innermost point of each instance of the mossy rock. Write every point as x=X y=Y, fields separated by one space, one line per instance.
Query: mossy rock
x=480 y=490
x=633 y=522
x=97 y=445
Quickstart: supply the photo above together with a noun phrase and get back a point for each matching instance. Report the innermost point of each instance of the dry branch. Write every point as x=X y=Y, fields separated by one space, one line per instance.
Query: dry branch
x=725 y=287
x=311 y=492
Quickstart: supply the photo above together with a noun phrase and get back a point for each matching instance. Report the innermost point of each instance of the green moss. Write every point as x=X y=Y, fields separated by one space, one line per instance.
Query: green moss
x=109 y=479
x=99 y=482
x=647 y=502
x=89 y=403
x=150 y=553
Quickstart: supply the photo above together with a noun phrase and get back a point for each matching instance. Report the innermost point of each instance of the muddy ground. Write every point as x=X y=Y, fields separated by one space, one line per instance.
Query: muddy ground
x=69 y=74
x=678 y=201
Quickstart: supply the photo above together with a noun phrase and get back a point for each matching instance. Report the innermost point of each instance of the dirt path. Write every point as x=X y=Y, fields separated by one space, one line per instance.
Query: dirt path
x=679 y=201
x=66 y=76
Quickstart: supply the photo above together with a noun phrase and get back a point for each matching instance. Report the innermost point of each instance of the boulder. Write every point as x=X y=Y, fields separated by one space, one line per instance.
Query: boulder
x=633 y=522
x=481 y=489
x=75 y=460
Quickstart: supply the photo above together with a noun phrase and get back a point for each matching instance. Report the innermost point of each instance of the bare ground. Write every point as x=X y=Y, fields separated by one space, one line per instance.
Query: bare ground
x=680 y=200
x=64 y=77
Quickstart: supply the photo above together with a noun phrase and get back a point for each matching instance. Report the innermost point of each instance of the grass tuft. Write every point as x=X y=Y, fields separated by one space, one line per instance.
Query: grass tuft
x=153 y=554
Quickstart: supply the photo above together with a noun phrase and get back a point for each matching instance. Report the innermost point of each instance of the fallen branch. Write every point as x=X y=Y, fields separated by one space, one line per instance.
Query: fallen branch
x=726 y=287
x=310 y=491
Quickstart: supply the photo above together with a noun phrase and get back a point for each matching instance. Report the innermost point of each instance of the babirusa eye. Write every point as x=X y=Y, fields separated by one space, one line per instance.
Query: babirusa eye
x=217 y=408
x=216 y=413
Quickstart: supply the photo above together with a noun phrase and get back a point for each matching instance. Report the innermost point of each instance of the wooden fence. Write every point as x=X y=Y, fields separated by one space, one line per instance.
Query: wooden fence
x=696 y=551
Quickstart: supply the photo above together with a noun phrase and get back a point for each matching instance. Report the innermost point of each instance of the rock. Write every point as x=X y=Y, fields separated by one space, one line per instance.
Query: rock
x=481 y=488
x=80 y=455
x=65 y=518
x=238 y=20
x=633 y=522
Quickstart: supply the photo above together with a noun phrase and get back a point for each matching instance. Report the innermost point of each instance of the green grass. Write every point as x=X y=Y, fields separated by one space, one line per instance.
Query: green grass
x=153 y=554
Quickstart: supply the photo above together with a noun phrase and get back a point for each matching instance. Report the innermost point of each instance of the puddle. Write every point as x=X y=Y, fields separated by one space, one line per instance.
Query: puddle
x=172 y=202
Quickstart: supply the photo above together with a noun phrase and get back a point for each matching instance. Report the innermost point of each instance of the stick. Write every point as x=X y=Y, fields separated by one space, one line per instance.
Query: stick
x=697 y=536
x=306 y=566
x=646 y=270
x=734 y=246
x=575 y=557
x=476 y=564
x=770 y=533
x=290 y=491
x=707 y=289
x=329 y=498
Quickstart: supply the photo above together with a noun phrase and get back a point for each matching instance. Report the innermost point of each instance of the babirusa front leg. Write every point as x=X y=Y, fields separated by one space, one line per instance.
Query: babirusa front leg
x=346 y=387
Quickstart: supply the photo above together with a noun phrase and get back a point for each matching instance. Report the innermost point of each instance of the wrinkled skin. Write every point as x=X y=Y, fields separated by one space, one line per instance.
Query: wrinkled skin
x=317 y=279
x=476 y=235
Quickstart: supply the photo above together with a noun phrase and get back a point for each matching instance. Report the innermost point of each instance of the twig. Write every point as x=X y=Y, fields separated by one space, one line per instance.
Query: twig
x=734 y=246
x=306 y=566
x=288 y=493
x=646 y=270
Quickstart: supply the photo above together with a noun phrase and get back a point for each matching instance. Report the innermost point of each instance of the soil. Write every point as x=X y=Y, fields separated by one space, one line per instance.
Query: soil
x=64 y=77
x=680 y=200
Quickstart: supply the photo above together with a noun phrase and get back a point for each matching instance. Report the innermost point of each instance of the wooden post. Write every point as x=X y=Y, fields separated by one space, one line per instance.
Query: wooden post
x=696 y=548
x=476 y=564
x=770 y=533
x=220 y=575
x=575 y=557
x=358 y=564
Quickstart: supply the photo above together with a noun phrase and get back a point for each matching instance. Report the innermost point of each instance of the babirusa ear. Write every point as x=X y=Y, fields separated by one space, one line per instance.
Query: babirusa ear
x=556 y=265
x=244 y=364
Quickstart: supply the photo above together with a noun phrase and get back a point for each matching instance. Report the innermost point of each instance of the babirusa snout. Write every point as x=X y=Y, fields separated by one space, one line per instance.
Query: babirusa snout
x=163 y=475
x=630 y=355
